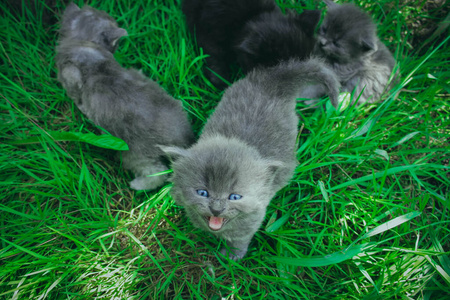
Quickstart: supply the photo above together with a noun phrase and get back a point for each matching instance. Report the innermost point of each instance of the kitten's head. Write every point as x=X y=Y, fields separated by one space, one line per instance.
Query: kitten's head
x=274 y=37
x=221 y=182
x=347 y=33
x=89 y=24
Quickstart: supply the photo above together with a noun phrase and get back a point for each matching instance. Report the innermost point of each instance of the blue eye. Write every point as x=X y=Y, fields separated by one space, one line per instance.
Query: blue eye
x=234 y=197
x=203 y=193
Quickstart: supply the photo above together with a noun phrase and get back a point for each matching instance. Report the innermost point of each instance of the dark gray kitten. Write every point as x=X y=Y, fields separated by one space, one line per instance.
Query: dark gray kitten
x=246 y=152
x=124 y=102
x=347 y=39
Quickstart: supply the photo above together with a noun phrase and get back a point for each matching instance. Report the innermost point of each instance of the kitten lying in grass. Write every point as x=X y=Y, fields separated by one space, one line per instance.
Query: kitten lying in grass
x=246 y=152
x=347 y=39
x=251 y=33
x=124 y=102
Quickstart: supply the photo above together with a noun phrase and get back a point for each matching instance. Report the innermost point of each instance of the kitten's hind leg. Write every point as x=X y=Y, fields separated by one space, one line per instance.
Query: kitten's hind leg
x=147 y=180
x=143 y=168
x=70 y=76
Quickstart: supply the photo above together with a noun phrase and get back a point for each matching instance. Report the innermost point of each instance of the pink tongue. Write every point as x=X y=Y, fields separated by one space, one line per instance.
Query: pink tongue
x=215 y=223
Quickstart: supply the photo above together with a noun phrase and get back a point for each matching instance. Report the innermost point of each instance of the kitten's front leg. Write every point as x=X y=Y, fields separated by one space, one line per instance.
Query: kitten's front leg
x=238 y=249
x=356 y=85
x=239 y=236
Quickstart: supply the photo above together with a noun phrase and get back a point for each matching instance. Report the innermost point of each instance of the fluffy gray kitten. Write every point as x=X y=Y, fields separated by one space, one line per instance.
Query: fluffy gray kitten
x=348 y=40
x=246 y=152
x=124 y=102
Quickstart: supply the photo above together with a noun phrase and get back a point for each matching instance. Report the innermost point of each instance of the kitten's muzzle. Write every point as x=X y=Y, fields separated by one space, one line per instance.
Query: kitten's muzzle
x=216 y=212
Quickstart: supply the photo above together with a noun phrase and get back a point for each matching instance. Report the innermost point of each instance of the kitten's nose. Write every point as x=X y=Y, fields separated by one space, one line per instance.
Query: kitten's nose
x=216 y=211
x=322 y=42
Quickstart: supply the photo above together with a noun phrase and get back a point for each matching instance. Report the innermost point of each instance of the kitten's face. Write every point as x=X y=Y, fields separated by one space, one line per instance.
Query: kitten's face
x=89 y=24
x=222 y=183
x=346 y=34
x=274 y=37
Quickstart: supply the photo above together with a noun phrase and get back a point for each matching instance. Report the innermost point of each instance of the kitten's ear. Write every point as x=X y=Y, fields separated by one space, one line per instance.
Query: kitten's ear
x=69 y=15
x=112 y=36
x=120 y=32
x=274 y=165
x=308 y=20
x=71 y=8
x=368 y=44
x=247 y=53
x=247 y=46
x=174 y=152
x=330 y=3
x=115 y=34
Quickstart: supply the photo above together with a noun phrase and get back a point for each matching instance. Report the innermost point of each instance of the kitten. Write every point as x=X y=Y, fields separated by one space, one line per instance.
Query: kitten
x=124 y=102
x=246 y=152
x=250 y=33
x=347 y=39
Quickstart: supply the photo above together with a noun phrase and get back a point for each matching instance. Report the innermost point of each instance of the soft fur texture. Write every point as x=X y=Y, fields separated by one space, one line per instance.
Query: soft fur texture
x=247 y=148
x=251 y=33
x=347 y=39
x=124 y=102
x=92 y=25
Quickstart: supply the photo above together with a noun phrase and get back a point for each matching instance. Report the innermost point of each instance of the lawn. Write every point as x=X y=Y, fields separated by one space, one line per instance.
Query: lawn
x=366 y=215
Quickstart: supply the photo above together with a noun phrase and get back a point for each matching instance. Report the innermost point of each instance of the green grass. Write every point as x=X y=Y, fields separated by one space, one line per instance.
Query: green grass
x=366 y=215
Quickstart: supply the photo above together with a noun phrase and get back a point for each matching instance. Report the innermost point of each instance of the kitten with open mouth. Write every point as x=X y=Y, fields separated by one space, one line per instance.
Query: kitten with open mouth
x=246 y=152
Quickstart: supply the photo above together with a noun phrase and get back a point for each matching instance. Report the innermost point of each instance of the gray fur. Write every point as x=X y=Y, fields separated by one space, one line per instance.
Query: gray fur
x=248 y=148
x=348 y=40
x=92 y=25
x=124 y=102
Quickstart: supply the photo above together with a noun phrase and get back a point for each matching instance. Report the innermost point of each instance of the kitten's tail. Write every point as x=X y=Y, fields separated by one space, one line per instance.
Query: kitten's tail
x=309 y=78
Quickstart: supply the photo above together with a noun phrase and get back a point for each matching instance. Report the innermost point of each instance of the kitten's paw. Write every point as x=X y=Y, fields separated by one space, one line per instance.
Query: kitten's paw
x=235 y=254
x=344 y=100
x=147 y=183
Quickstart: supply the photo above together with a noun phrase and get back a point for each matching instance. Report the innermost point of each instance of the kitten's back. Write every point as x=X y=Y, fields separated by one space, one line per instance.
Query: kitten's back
x=274 y=37
x=123 y=101
x=220 y=18
x=260 y=109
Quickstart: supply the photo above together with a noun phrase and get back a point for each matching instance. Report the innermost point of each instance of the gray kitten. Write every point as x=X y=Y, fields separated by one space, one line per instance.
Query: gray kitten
x=347 y=39
x=124 y=102
x=246 y=152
